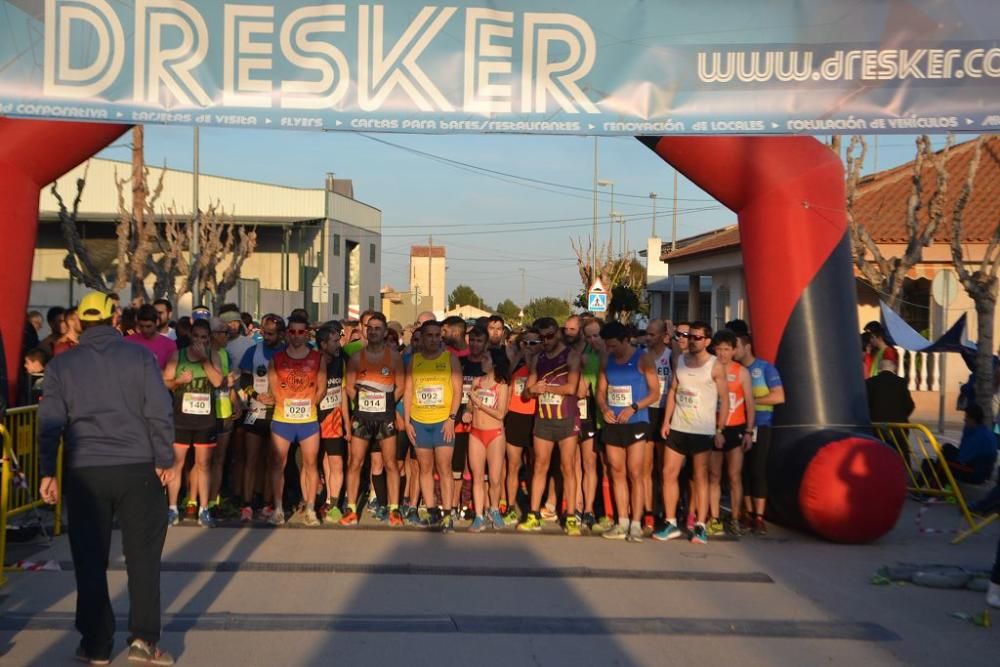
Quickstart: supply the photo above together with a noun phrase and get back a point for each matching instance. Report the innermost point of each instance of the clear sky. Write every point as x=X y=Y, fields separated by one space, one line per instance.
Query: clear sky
x=492 y=225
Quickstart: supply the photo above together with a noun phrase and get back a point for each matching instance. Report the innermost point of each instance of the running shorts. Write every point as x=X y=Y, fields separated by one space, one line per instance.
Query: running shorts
x=624 y=435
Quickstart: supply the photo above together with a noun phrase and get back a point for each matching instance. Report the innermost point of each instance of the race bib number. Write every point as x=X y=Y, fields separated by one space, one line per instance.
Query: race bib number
x=519 y=385
x=260 y=384
x=196 y=404
x=298 y=409
x=620 y=396
x=581 y=405
x=687 y=400
x=550 y=399
x=371 y=401
x=466 y=388
x=487 y=398
x=256 y=411
x=430 y=396
x=332 y=399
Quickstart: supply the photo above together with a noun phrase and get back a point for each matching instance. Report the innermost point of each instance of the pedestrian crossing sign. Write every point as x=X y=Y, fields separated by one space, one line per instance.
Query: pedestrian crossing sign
x=597 y=302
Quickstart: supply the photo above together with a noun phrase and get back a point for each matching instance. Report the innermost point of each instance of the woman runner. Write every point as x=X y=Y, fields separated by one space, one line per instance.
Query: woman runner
x=488 y=399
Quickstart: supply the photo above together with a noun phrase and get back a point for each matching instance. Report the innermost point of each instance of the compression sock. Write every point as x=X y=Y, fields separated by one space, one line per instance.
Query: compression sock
x=381 y=488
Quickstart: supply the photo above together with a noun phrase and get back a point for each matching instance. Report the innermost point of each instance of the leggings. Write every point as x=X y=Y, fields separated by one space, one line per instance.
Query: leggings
x=996 y=567
x=755 y=465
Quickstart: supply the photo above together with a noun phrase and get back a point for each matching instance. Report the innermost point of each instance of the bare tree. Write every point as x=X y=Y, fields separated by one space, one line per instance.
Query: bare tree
x=615 y=273
x=980 y=282
x=888 y=274
x=78 y=260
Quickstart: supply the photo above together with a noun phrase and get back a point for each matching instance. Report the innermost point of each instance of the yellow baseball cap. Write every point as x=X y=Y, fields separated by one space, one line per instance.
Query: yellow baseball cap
x=95 y=307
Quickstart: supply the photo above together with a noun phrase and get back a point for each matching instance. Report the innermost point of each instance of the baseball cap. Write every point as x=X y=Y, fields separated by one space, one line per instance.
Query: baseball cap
x=230 y=316
x=95 y=307
x=201 y=313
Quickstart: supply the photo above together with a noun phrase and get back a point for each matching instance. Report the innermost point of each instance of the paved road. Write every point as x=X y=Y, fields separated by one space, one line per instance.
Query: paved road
x=352 y=596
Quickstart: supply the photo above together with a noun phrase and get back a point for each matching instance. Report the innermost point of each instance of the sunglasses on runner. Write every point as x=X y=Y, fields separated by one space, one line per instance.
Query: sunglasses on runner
x=549 y=336
x=681 y=334
x=531 y=342
x=298 y=332
x=697 y=337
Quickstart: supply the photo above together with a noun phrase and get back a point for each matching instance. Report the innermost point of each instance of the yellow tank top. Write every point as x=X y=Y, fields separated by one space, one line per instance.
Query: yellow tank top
x=432 y=390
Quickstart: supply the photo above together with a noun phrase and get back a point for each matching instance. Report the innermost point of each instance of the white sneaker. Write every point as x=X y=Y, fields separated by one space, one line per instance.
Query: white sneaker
x=993 y=595
x=634 y=532
x=310 y=518
x=277 y=518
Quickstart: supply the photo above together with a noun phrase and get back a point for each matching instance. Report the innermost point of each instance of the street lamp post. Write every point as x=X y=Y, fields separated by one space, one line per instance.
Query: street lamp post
x=604 y=183
x=653 y=195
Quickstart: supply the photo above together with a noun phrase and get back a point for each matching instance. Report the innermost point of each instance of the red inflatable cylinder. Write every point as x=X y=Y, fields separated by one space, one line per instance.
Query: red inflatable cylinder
x=33 y=153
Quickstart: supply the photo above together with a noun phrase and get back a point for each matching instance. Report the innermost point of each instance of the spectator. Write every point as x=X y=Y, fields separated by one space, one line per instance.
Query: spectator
x=149 y=337
x=71 y=333
x=36 y=320
x=889 y=399
x=56 y=317
x=880 y=348
x=34 y=366
x=182 y=334
x=975 y=458
x=164 y=311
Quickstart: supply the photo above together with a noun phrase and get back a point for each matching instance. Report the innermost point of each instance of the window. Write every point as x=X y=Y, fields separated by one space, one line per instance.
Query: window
x=371 y=253
x=334 y=302
x=336 y=247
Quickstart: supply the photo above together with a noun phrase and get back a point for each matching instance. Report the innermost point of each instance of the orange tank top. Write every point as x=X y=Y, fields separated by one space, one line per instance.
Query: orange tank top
x=295 y=394
x=517 y=404
x=737 y=402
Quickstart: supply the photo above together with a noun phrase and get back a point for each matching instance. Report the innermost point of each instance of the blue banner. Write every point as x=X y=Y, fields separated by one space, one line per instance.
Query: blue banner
x=591 y=67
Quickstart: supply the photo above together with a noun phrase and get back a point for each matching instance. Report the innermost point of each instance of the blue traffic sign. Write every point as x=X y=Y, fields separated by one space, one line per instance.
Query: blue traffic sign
x=597 y=302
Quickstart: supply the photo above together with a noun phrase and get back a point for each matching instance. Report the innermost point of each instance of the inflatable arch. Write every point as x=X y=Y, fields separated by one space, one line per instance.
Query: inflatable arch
x=827 y=475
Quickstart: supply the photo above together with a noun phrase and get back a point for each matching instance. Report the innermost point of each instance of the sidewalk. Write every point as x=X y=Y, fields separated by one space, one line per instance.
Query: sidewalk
x=348 y=596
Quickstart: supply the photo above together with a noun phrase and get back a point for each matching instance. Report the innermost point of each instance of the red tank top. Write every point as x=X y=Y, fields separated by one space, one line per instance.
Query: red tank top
x=737 y=402
x=517 y=404
x=296 y=390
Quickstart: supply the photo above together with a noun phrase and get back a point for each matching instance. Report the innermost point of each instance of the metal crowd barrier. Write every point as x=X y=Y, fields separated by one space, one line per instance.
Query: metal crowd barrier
x=20 y=479
x=916 y=444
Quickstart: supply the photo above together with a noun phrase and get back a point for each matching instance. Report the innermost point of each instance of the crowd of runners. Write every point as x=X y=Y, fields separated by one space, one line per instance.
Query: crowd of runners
x=660 y=433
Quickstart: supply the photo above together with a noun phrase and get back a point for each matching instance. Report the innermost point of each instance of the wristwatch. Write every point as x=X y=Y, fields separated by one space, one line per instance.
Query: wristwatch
x=635 y=407
x=452 y=417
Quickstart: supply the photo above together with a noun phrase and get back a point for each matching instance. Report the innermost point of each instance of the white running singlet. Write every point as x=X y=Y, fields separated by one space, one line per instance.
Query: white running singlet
x=697 y=399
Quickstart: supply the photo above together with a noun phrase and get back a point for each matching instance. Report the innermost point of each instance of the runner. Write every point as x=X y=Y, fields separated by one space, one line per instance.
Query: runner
x=257 y=418
x=433 y=396
x=488 y=400
x=626 y=387
x=738 y=434
x=659 y=335
x=453 y=334
x=472 y=368
x=334 y=419
x=697 y=403
x=192 y=374
x=164 y=310
x=297 y=378
x=225 y=413
x=148 y=337
x=591 y=423
x=71 y=335
x=573 y=333
x=554 y=380
x=767 y=393
x=497 y=331
x=520 y=420
x=375 y=381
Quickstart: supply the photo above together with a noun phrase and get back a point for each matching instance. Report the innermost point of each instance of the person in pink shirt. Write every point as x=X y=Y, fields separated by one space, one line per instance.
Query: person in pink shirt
x=150 y=338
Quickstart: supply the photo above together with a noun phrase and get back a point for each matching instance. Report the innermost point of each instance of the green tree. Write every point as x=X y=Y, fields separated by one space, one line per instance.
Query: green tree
x=463 y=295
x=547 y=306
x=509 y=311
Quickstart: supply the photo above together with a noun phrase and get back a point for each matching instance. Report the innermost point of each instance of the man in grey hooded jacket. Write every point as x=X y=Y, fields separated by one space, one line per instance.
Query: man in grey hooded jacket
x=106 y=399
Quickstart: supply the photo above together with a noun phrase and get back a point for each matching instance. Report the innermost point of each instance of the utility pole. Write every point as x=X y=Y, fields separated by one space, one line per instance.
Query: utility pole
x=673 y=244
x=430 y=249
x=195 y=223
x=594 y=234
x=523 y=292
x=653 y=195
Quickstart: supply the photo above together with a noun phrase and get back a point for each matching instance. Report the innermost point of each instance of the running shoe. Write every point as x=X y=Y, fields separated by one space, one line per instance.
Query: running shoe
x=396 y=518
x=277 y=518
x=746 y=522
x=332 y=514
x=759 y=525
x=382 y=513
x=714 y=527
x=699 y=535
x=148 y=654
x=310 y=519
x=372 y=502
x=588 y=520
x=648 y=525
x=532 y=523
x=511 y=518
x=265 y=513
x=478 y=525
x=81 y=655
x=496 y=518
x=635 y=532
x=503 y=507
x=691 y=520
x=465 y=513
x=349 y=519
x=549 y=514
x=668 y=532
x=246 y=514
x=173 y=518
x=447 y=523
x=191 y=511
x=603 y=525
x=615 y=532
x=413 y=517
x=572 y=527
x=734 y=527
x=205 y=519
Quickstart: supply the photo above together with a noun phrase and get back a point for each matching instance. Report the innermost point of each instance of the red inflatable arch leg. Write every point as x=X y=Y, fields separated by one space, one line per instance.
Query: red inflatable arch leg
x=824 y=474
x=33 y=153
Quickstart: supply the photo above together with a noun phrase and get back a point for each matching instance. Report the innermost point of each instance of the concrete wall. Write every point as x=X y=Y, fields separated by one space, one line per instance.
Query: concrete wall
x=438 y=290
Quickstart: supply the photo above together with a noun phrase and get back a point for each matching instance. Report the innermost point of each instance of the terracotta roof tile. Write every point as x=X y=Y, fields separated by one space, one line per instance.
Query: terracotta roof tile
x=717 y=241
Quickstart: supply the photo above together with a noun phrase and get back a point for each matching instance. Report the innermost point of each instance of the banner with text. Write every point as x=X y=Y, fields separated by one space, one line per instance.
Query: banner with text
x=590 y=67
